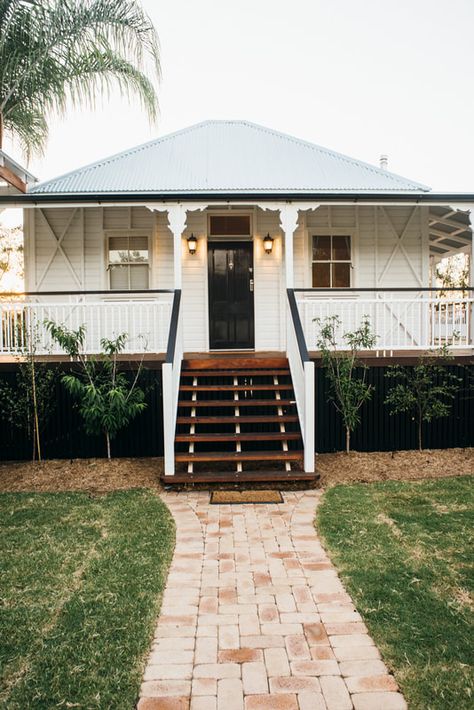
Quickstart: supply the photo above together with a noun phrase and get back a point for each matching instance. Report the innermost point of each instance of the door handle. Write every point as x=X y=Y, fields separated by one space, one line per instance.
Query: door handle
x=251 y=284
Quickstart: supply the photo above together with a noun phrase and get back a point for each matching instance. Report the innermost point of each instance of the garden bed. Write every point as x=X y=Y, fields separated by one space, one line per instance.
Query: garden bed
x=101 y=476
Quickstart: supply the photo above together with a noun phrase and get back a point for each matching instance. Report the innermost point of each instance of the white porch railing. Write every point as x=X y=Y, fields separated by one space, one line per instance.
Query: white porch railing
x=302 y=375
x=145 y=320
x=171 y=375
x=401 y=320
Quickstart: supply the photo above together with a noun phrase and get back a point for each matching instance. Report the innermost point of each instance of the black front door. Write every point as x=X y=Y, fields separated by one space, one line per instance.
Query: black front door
x=231 y=313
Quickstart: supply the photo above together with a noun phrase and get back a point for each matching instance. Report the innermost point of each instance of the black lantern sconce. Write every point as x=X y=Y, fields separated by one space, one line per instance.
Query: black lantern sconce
x=268 y=244
x=192 y=244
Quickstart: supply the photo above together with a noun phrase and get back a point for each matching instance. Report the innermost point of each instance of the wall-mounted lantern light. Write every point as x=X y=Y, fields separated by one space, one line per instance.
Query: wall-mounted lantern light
x=268 y=244
x=192 y=244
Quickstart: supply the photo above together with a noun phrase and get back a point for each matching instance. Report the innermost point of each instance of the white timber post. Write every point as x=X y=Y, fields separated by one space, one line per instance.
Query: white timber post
x=177 y=225
x=471 y=279
x=469 y=207
x=288 y=224
x=168 y=419
x=309 y=402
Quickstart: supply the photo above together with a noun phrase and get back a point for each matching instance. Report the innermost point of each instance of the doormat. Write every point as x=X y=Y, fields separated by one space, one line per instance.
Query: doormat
x=221 y=497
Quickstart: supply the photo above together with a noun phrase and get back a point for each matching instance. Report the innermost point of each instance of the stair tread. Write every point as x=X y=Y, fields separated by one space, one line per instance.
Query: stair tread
x=236 y=403
x=258 y=418
x=233 y=476
x=234 y=373
x=234 y=388
x=240 y=456
x=257 y=436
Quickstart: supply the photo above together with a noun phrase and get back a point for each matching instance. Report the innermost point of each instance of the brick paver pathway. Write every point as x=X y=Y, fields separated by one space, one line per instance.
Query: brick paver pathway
x=254 y=616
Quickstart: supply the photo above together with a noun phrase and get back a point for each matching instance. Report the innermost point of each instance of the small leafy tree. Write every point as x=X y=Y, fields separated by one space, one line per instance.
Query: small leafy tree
x=29 y=404
x=346 y=373
x=108 y=401
x=425 y=390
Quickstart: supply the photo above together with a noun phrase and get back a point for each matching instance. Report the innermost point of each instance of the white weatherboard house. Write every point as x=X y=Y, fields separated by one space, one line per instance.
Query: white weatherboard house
x=217 y=246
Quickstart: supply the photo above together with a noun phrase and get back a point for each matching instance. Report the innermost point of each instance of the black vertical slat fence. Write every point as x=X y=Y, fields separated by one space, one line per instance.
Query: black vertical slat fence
x=64 y=436
x=379 y=431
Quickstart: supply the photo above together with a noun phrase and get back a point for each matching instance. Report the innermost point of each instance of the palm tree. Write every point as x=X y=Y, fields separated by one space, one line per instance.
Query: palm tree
x=53 y=52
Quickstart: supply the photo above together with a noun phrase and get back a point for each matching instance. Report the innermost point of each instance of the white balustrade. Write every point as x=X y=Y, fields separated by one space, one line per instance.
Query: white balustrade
x=403 y=321
x=145 y=322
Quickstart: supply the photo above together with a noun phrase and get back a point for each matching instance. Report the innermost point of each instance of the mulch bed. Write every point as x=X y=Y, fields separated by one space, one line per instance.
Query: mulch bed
x=101 y=476
x=357 y=467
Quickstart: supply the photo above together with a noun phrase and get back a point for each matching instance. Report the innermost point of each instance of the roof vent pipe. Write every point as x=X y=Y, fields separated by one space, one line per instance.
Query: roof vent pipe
x=383 y=162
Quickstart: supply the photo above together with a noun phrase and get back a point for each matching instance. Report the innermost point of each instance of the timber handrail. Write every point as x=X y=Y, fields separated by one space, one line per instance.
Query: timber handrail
x=101 y=292
x=171 y=376
x=384 y=289
x=302 y=375
x=299 y=333
x=174 y=321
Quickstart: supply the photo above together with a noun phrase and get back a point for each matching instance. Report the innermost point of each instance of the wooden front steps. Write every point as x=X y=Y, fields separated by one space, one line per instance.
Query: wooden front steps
x=237 y=421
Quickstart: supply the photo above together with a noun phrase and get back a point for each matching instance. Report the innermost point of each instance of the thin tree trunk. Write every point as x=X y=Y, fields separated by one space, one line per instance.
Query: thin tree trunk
x=348 y=440
x=107 y=439
x=420 y=434
x=35 y=411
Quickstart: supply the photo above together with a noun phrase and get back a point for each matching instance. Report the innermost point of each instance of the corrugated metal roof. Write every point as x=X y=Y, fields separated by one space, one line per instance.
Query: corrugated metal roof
x=228 y=157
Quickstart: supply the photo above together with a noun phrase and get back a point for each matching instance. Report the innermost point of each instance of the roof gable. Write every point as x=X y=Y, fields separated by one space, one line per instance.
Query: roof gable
x=228 y=157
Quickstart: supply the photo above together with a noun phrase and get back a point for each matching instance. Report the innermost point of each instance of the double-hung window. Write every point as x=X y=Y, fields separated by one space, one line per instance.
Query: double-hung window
x=128 y=262
x=331 y=261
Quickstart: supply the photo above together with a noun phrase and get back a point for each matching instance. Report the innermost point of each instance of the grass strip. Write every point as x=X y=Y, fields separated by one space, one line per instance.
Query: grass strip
x=405 y=554
x=81 y=582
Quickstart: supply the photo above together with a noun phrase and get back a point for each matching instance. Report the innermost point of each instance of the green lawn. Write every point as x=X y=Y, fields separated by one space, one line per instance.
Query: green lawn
x=80 y=585
x=405 y=553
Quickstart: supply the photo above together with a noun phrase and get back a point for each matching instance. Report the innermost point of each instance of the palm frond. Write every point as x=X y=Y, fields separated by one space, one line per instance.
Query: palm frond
x=59 y=51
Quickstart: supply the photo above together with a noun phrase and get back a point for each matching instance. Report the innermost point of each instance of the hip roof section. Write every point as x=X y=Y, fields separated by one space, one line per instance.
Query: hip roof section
x=226 y=157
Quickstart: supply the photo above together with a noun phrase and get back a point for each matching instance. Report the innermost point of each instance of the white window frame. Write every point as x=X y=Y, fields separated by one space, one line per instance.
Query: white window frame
x=333 y=232
x=127 y=233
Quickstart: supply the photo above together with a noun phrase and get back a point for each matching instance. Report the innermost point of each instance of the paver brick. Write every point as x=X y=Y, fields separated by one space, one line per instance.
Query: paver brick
x=217 y=670
x=254 y=678
x=204 y=686
x=230 y=694
x=378 y=701
x=335 y=693
x=163 y=704
x=371 y=684
x=240 y=655
x=276 y=662
x=203 y=702
x=362 y=668
x=293 y=684
x=311 y=701
x=271 y=702
x=318 y=668
x=297 y=647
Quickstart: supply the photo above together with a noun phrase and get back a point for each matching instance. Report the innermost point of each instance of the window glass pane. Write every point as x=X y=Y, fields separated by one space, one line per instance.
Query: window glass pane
x=138 y=254
x=119 y=277
x=229 y=225
x=321 y=248
x=138 y=276
x=139 y=243
x=118 y=250
x=341 y=275
x=321 y=274
x=341 y=248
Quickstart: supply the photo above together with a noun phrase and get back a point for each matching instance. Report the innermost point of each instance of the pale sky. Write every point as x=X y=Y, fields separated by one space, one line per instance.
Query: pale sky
x=363 y=77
